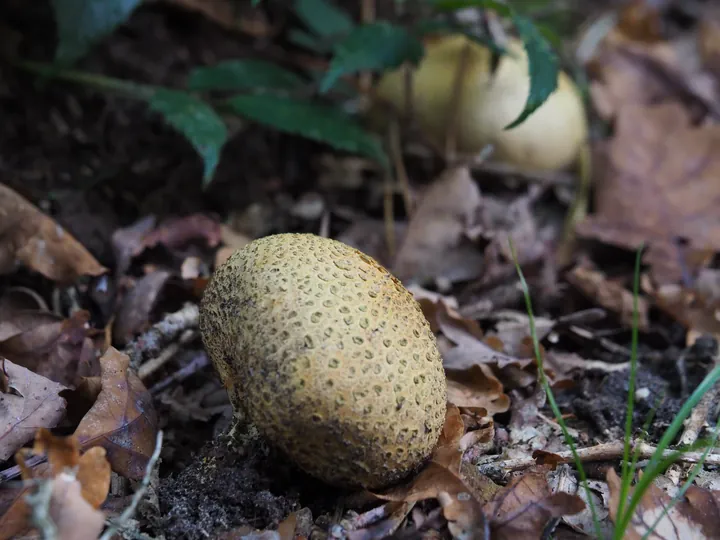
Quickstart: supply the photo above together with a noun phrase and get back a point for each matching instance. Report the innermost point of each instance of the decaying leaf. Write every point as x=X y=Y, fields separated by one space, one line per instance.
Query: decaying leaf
x=34 y=403
x=442 y=479
x=35 y=240
x=56 y=348
x=609 y=295
x=123 y=419
x=476 y=387
x=693 y=517
x=659 y=185
x=79 y=486
x=526 y=504
x=696 y=307
x=433 y=246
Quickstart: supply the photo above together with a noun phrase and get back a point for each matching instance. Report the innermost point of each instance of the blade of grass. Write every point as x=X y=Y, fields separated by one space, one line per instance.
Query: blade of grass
x=551 y=397
x=627 y=472
x=690 y=479
x=656 y=463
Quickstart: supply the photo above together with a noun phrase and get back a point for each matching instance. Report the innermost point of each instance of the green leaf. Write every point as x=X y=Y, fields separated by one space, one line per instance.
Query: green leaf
x=543 y=65
x=243 y=75
x=312 y=121
x=375 y=46
x=454 y=5
x=323 y=18
x=82 y=23
x=197 y=121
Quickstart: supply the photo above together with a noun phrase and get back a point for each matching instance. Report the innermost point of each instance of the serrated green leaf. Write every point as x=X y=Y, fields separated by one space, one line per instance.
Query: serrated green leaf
x=454 y=5
x=323 y=18
x=543 y=66
x=197 y=121
x=375 y=46
x=82 y=23
x=243 y=75
x=312 y=121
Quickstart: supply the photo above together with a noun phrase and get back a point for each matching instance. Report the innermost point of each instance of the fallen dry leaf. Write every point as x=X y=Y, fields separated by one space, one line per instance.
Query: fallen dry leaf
x=693 y=517
x=660 y=184
x=34 y=403
x=434 y=245
x=92 y=467
x=610 y=295
x=80 y=484
x=698 y=313
x=35 y=240
x=177 y=232
x=476 y=387
x=441 y=479
x=133 y=314
x=123 y=419
x=59 y=349
x=526 y=504
x=628 y=69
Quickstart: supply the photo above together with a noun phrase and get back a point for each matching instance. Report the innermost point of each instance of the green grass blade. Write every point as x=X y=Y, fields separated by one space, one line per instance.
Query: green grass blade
x=551 y=397
x=655 y=465
x=629 y=472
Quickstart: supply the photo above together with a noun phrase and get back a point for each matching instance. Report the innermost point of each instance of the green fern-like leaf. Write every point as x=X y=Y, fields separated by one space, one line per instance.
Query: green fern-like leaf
x=310 y=120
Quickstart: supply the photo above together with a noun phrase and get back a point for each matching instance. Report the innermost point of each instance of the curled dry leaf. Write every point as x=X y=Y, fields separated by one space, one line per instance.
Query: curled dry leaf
x=476 y=387
x=35 y=240
x=523 y=508
x=443 y=480
x=434 y=245
x=610 y=295
x=123 y=419
x=660 y=184
x=35 y=402
x=693 y=517
x=59 y=349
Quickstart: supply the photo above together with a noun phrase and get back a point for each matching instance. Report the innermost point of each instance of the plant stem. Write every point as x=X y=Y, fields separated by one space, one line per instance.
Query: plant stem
x=101 y=82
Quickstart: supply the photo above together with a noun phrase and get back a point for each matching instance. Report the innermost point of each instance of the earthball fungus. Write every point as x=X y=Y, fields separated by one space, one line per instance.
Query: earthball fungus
x=328 y=356
x=487 y=102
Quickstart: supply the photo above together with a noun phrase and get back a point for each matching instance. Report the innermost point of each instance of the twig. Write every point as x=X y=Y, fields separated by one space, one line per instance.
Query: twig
x=152 y=365
x=400 y=171
x=698 y=417
x=152 y=342
x=601 y=452
x=117 y=524
x=39 y=503
x=196 y=365
x=454 y=116
x=13 y=472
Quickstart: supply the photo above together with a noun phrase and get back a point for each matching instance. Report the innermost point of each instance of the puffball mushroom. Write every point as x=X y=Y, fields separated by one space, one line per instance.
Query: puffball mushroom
x=328 y=356
x=549 y=139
